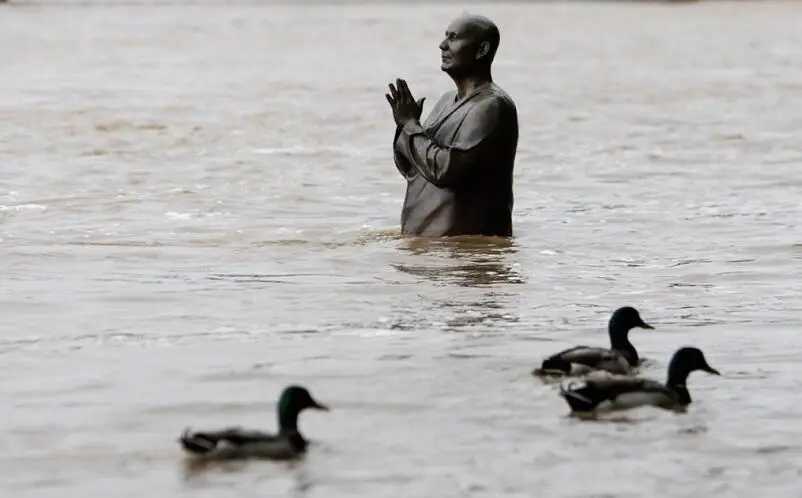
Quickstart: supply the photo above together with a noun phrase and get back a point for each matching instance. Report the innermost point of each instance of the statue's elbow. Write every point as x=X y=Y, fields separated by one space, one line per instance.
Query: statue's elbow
x=440 y=183
x=445 y=179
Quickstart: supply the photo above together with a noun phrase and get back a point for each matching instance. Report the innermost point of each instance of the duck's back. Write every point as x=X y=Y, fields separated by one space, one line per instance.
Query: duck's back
x=277 y=449
x=631 y=392
x=594 y=358
x=237 y=443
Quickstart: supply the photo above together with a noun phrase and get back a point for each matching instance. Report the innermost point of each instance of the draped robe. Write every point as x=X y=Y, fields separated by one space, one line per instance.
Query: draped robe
x=459 y=165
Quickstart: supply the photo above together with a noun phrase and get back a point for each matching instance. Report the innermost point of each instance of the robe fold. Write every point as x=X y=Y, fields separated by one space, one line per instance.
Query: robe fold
x=459 y=165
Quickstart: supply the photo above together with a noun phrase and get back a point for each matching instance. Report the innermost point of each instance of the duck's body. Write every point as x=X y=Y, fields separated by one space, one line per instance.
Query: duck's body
x=238 y=443
x=581 y=360
x=620 y=358
x=599 y=395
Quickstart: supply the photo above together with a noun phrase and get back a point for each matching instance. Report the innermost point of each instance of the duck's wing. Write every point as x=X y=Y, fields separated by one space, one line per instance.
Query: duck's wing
x=617 y=393
x=237 y=443
x=581 y=360
x=201 y=442
x=239 y=436
x=279 y=448
x=598 y=359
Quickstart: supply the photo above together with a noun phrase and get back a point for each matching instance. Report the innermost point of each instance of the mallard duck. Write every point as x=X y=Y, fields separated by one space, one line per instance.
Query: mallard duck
x=620 y=358
x=616 y=393
x=243 y=443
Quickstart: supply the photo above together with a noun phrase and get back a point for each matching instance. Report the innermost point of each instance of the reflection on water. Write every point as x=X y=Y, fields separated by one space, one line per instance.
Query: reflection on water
x=193 y=469
x=485 y=264
x=463 y=261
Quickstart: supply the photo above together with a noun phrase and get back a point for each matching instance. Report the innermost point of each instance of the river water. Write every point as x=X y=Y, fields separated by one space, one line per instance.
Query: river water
x=198 y=206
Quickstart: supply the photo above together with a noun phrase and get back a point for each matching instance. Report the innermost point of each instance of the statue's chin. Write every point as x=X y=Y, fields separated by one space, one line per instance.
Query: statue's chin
x=451 y=69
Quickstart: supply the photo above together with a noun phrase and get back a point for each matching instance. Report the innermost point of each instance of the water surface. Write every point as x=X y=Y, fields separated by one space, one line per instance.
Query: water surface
x=198 y=206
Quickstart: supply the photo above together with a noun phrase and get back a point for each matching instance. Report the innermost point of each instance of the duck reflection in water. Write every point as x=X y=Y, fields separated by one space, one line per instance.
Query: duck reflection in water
x=473 y=262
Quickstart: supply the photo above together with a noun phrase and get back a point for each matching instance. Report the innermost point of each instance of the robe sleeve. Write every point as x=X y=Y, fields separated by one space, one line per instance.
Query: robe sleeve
x=401 y=163
x=447 y=166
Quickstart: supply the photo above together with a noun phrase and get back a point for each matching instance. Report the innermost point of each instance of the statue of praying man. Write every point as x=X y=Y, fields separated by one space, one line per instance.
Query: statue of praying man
x=458 y=164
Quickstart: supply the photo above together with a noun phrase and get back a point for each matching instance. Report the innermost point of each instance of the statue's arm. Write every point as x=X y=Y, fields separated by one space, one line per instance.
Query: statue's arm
x=401 y=163
x=447 y=166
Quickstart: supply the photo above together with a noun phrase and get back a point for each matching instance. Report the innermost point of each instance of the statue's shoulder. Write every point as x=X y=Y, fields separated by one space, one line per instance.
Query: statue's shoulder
x=499 y=97
x=494 y=100
x=448 y=97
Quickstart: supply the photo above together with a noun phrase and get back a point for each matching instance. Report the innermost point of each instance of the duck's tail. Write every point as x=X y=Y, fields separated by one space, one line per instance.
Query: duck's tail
x=553 y=366
x=197 y=443
x=578 y=397
x=547 y=372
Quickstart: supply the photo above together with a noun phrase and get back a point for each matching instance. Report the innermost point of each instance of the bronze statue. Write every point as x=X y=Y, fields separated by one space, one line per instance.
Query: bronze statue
x=459 y=163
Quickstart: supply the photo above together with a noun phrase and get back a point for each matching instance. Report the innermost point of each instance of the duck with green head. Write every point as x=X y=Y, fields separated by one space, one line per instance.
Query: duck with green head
x=620 y=358
x=608 y=394
x=236 y=443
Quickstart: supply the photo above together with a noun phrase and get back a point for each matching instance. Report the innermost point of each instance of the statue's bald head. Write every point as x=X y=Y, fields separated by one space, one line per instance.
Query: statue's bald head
x=482 y=30
x=470 y=45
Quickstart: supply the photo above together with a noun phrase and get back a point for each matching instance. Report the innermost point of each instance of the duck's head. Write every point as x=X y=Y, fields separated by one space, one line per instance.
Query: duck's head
x=623 y=320
x=293 y=400
x=689 y=359
x=297 y=399
x=686 y=360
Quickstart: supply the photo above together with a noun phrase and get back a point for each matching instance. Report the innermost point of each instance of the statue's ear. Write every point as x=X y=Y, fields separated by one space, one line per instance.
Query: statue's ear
x=484 y=48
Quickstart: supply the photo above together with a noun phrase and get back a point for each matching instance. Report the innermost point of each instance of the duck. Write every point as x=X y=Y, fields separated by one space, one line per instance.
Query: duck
x=617 y=393
x=239 y=443
x=619 y=359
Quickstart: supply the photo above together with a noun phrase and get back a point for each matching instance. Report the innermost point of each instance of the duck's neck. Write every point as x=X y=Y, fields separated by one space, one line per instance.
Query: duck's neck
x=287 y=417
x=297 y=441
x=619 y=340
x=677 y=378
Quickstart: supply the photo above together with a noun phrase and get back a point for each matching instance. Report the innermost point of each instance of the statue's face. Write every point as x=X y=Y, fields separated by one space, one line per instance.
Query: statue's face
x=460 y=47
